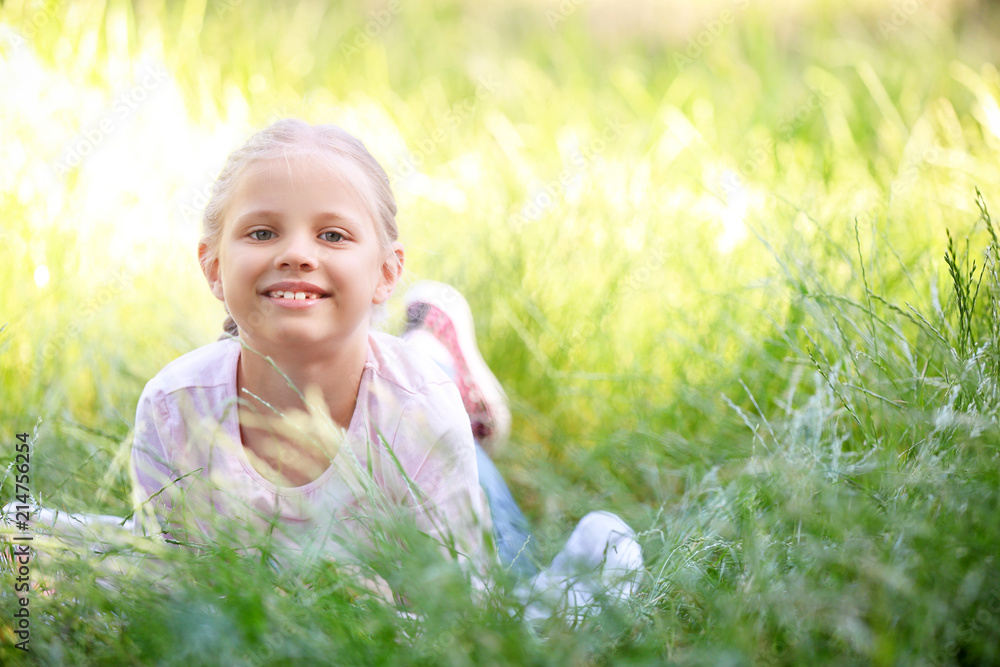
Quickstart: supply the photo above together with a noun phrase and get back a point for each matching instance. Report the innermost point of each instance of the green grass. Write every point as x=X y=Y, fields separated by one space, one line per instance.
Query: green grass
x=799 y=417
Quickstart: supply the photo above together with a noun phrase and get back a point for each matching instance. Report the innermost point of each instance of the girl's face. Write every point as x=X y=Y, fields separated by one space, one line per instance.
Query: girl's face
x=299 y=261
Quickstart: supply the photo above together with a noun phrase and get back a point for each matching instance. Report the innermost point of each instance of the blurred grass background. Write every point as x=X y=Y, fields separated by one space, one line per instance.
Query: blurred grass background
x=704 y=249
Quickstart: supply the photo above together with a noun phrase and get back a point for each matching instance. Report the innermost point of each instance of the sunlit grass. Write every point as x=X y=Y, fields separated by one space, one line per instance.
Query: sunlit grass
x=713 y=288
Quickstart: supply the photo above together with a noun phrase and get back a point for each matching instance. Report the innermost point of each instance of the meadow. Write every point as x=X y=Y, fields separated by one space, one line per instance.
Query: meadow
x=736 y=266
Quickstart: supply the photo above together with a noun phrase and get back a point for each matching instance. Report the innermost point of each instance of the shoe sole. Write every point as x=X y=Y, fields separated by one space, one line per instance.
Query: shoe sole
x=443 y=310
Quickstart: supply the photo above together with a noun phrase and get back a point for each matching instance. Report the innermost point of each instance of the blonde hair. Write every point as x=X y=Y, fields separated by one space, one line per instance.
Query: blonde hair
x=292 y=136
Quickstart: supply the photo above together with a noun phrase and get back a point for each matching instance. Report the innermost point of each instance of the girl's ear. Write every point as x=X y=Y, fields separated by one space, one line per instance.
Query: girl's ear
x=211 y=271
x=392 y=269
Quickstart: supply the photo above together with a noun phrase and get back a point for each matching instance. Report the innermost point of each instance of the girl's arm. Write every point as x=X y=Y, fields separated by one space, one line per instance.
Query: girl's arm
x=151 y=476
x=449 y=506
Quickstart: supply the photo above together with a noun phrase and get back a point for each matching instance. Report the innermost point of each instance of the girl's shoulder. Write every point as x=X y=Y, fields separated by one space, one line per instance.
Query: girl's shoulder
x=411 y=402
x=213 y=365
x=394 y=361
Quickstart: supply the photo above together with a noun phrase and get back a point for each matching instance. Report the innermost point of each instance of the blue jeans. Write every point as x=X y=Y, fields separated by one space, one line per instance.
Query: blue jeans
x=515 y=545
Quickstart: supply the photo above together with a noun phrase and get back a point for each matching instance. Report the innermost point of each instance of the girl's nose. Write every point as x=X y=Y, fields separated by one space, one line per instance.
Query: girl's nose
x=297 y=253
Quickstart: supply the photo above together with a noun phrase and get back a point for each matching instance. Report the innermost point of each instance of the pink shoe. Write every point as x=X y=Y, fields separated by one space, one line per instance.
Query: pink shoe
x=441 y=311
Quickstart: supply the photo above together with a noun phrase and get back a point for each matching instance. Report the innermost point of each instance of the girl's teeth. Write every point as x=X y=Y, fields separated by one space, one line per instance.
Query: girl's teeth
x=293 y=295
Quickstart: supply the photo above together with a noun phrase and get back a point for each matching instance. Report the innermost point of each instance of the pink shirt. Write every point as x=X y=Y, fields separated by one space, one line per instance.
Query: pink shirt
x=191 y=468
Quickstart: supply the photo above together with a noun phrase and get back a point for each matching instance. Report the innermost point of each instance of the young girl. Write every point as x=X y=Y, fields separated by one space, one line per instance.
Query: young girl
x=302 y=419
x=300 y=244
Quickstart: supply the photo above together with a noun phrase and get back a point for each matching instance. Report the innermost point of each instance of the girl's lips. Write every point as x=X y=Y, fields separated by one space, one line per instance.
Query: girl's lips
x=294 y=286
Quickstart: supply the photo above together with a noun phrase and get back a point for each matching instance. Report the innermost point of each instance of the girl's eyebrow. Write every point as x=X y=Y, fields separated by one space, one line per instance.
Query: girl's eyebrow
x=254 y=216
x=333 y=217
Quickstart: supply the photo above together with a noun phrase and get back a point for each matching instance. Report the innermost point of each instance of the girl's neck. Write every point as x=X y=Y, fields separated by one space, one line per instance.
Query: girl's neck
x=337 y=373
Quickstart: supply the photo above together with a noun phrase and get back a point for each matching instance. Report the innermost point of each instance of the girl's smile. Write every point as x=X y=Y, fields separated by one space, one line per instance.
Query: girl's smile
x=299 y=258
x=295 y=294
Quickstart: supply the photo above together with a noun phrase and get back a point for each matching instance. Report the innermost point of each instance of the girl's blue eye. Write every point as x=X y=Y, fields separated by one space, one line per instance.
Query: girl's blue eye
x=329 y=236
x=261 y=234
